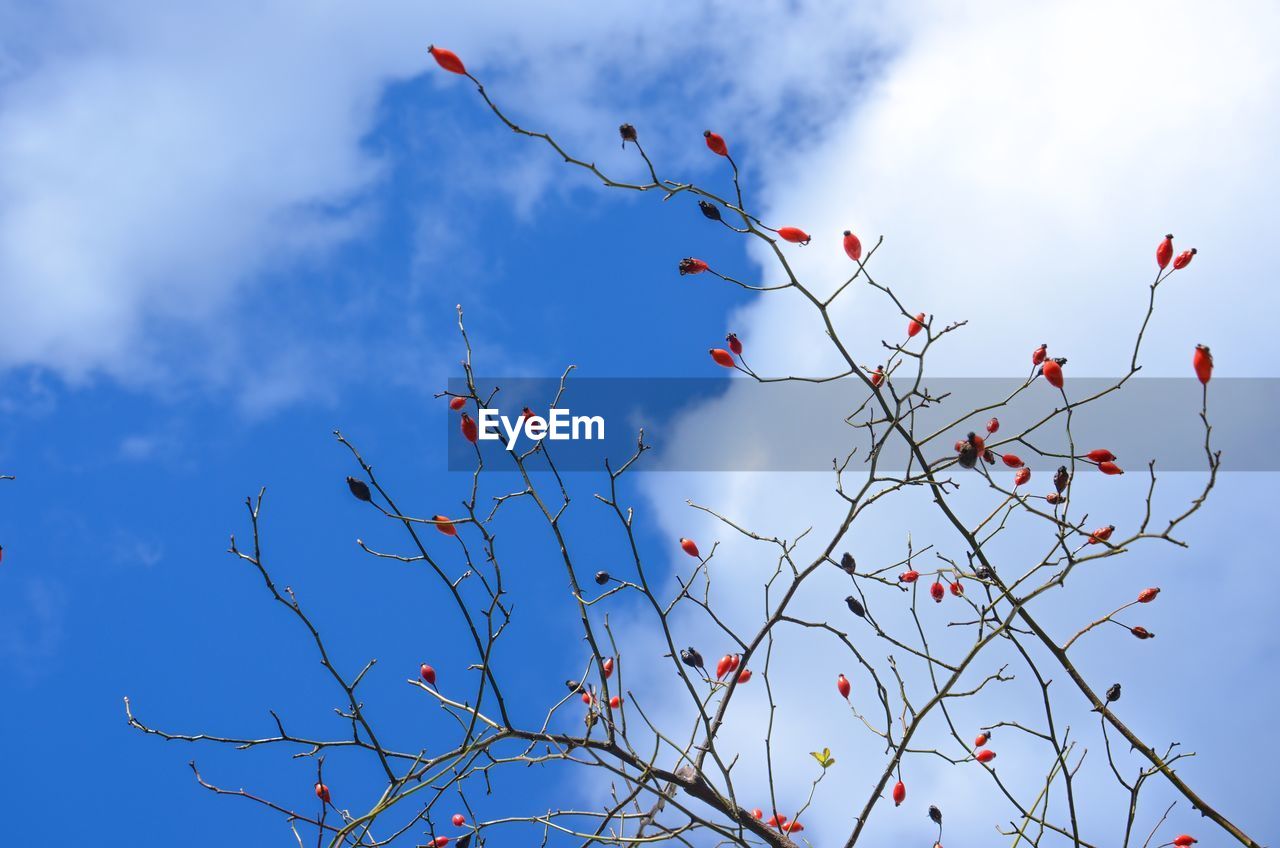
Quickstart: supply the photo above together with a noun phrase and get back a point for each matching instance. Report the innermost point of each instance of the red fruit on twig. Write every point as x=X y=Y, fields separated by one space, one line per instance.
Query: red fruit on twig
x=1184 y=259
x=937 y=592
x=722 y=357
x=690 y=547
x=1164 y=251
x=1052 y=372
x=322 y=792
x=981 y=740
x=744 y=675
x=447 y=59
x=1142 y=633
x=586 y=698
x=440 y=841
x=795 y=235
x=470 y=431
x=1055 y=498
x=915 y=325
x=899 y=793
x=1023 y=475
x=877 y=376
x=993 y=425
x=715 y=143
x=428 y=674
x=1100 y=455
x=457 y=403
x=852 y=246
x=1185 y=841
x=843 y=687
x=776 y=820
x=1038 y=355
x=607 y=665
x=724 y=666
x=690 y=265
x=615 y=702
x=1102 y=534
x=956 y=589
x=1202 y=361
x=734 y=344
x=1011 y=460
x=793 y=827
x=445 y=526
x=1110 y=468
x=1146 y=596
x=986 y=755
x=909 y=576
x=459 y=819
x=757 y=814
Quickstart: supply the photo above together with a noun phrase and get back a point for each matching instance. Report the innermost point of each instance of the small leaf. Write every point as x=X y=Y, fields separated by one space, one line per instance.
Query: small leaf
x=829 y=763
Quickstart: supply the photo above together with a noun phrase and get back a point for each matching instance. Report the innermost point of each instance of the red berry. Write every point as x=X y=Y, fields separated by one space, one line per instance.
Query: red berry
x=957 y=589
x=852 y=246
x=724 y=666
x=734 y=344
x=1185 y=841
x=615 y=702
x=1142 y=633
x=981 y=740
x=1164 y=251
x=744 y=675
x=1202 y=361
x=909 y=576
x=757 y=814
x=1100 y=455
x=470 y=431
x=1102 y=534
x=722 y=357
x=457 y=403
x=993 y=425
x=937 y=592
x=1184 y=259
x=1146 y=596
x=1110 y=468
x=899 y=793
x=1053 y=373
x=793 y=827
x=428 y=674
x=1054 y=498
x=440 y=841
x=986 y=755
x=689 y=265
x=459 y=819
x=795 y=235
x=690 y=547
x=447 y=59
x=843 y=687
x=446 y=526
x=608 y=667
x=322 y=792
x=877 y=377
x=586 y=698
x=1038 y=355
x=979 y=443
x=1023 y=475
x=1011 y=460
x=715 y=143
x=915 y=325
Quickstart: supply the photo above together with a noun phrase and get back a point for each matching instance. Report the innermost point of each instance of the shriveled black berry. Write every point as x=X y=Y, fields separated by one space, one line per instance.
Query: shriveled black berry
x=710 y=210
x=855 y=606
x=847 y=563
x=602 y=577
x=627 y=132
x=935 y=814
x=359 y=488
x=690 y=657
x=1113 y=694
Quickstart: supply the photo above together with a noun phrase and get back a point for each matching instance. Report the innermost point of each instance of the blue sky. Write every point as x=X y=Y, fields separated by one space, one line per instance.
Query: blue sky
x=208 y=265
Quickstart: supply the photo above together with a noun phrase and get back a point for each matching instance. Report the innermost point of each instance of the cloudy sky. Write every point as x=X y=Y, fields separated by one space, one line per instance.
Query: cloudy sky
x=226 y=230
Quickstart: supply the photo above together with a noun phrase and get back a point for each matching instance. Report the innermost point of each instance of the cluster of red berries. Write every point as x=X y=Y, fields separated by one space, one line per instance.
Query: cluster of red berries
x=982 y=753
x=777 y=821
x=728 y=665
x=724 y=357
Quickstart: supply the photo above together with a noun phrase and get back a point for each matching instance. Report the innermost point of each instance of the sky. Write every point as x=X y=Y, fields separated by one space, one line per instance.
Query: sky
x=227 y=231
